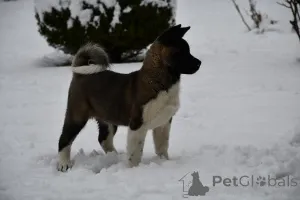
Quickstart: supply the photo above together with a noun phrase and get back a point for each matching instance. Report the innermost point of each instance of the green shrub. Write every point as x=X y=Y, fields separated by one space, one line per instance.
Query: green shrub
x=124 y=27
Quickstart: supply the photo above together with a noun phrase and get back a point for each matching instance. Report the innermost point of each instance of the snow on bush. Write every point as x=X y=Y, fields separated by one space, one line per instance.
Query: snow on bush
x=123 y=28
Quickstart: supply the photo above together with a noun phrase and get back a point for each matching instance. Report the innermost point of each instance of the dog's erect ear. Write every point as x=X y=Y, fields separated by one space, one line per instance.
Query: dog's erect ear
x=183 y=31
x=169 y=32
x=173 y=33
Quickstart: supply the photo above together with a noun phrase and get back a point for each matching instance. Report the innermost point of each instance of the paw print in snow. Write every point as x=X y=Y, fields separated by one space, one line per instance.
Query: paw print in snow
x=261 y=181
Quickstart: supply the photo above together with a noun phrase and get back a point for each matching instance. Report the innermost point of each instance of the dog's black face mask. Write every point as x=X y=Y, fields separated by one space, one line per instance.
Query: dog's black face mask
x=177 y=51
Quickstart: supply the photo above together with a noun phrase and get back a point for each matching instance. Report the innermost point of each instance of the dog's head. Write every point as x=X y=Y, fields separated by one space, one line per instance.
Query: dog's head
x=175 y=51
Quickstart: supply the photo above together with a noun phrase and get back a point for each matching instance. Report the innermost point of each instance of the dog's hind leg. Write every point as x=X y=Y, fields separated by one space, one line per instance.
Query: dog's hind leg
x=75 y=119
x=71 y=128
x=161 y=139
x=77 y=115
x=106 y=136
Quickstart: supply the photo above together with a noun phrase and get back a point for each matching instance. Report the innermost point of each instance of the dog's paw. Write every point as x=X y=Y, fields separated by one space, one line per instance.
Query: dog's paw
x=64 y=166
x=133 y=162
x=163 y=155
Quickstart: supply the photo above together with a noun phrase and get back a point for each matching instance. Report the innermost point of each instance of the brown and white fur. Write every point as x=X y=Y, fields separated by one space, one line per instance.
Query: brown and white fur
x=143 y=100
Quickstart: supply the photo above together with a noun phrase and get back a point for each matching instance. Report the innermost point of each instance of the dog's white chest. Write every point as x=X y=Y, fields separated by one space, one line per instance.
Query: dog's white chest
x=159 y=110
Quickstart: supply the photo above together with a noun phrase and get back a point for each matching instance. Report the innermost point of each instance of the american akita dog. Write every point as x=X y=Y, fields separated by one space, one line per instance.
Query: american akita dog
x=142 y=100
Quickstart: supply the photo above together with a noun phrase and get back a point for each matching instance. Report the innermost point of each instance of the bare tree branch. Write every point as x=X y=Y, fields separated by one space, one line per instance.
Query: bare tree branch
x=241 y=15
x=255 y=16
x=293 y=5
x=284 y=5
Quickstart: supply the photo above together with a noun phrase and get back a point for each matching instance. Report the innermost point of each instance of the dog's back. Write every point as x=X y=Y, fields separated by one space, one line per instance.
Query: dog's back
x=106 y=94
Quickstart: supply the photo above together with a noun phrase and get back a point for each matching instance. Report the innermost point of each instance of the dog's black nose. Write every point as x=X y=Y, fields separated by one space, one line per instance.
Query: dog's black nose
x=198 y=62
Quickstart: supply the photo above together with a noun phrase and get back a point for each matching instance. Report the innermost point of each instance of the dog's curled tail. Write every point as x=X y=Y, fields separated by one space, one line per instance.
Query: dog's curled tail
x=90 y=59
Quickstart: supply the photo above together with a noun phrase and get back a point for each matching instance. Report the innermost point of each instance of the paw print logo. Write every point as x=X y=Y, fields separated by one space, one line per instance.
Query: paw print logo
x=261 y=181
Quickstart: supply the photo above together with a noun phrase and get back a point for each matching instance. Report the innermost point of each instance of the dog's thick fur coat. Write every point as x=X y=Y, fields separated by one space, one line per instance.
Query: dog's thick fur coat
x=142 y=100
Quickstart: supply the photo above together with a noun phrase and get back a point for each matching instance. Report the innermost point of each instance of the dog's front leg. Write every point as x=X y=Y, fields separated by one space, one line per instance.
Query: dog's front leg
x=161 y=139
x=136 y=137
x=135 y=145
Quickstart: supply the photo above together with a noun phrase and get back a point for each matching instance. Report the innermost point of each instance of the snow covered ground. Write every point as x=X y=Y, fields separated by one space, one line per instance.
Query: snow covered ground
x=240 y=114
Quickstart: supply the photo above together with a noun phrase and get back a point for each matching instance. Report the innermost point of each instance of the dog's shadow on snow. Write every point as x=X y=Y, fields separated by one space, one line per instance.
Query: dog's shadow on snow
x=96 y=161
